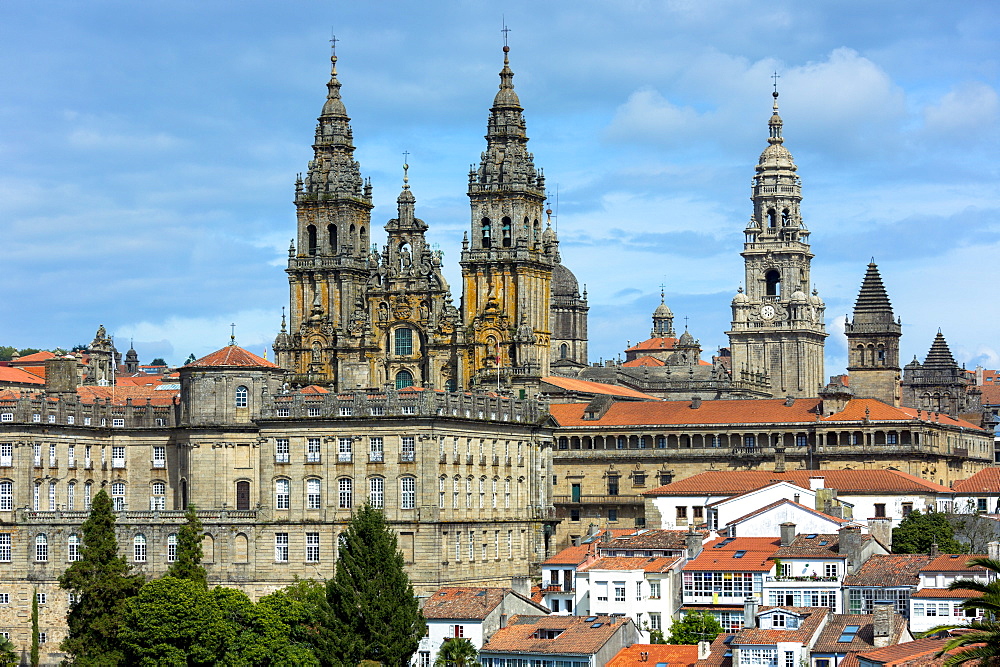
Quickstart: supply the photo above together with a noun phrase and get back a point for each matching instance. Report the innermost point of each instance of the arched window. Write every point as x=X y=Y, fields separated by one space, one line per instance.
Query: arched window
x=450 y=385
x=772 y=218
x=41 y=548
x=118 y=496
x=403 y=342
x=345 y=488
x=87 y=488
x=786 y=218
x=312 y=494
x=241 y=396
x=6 y=495
x=363 y=238
x=487 y=233
x=408 y=493
x=563 y=351
x=139 y=548
x=71 y=496
x=171 y=547
x=243 y=495
x=505 y=233
x=282 y=491
x=158 y=496
x=353 y=239
x=773 y=283
x=404 y=379
x=331 y=234
x=376 y=492
x=311 y=239
x=74 y=548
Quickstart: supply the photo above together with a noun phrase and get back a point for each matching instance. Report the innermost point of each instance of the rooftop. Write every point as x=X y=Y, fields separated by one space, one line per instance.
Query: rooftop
x=889 y=570
x=863 y=482
x=736 y=554
x=465 y=603
x=573 y=635
x=653 y=655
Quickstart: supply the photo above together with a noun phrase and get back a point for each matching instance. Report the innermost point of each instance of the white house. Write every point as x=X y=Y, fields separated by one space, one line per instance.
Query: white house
x=468 y=613
x=933 y=604
x=766 y=521
x=568 y=641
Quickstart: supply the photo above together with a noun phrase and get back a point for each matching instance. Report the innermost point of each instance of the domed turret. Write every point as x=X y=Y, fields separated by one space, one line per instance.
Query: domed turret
x=663 y=320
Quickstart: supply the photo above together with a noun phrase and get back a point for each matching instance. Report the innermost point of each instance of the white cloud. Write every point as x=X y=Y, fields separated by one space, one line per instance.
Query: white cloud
x=964 y=114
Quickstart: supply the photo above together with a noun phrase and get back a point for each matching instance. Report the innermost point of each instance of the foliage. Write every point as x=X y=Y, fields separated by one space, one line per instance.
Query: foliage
x=102 y=584
x=190 y=358
x=79 y=348
x=973 y=530
x=159 y=361
x=7 y=352
x=457 y=653
x=375 y=614
x=917 y=532
x=695 y=627
x=8 y=654
x=979 y=641
x=34 y=627
x=304 y=608
x=188 y=565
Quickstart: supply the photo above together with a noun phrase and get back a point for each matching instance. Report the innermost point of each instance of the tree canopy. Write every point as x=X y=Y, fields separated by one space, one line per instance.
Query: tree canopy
x=102 y=584
x=375 y=614
x=457 y=653
x=303 y=607
x=699 y=626
x=917 y=532
x=187 y=564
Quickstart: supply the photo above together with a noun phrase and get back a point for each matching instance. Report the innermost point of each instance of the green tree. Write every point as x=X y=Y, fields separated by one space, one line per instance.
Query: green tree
x=7 y=352
x=190 y=358
x=375 y=614
x=25 y=351
x=159 y=361
x=917 y=532
x=457 y=653
x=256 y=633
x=979 y=642
x=189 y=553
x=102 y=584
x=304 y=608
x=8 y=654
x=699 y=626
x=34 y=627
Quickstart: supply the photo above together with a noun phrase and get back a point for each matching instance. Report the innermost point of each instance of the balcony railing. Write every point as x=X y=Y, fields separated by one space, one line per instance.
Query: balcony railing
x=159 y=463
x=281 y=457
x=314 y=457
x=376 y=457
x=344 y=457
x=407 y=457
x=117 y=463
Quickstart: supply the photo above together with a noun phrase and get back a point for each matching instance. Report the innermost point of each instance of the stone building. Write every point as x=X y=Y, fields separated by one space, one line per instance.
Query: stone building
x=873 y=343
x=941 y=385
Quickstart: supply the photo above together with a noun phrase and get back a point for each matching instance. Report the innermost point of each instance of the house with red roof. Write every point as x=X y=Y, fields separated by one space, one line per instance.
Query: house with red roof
x=886 y=578
x=656 y=655
x=572 y=641
x=923 y=652
x=933 y=604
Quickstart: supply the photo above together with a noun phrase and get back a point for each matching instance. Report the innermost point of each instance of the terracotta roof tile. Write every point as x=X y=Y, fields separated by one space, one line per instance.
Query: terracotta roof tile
x=665 y=413
x=717 y=656
x=231 y=356
x=644 y=361
x=991 y=394
x=721 y=555
x=954 y=563
x=671 y=540
x=863 y=640
x=888 y=570
x=812 y=619
x=674 y=655
x=732 y=482
x=569 y=556
x=466 y=603
x=654 y=344
x=907 y=652
x=14 y=375
x=814 y=544
x=945 y=594
x=860 y=408
x=588 y=387
x=35 y=358
x=655 y=564
x=578 y=636
x=986 y=480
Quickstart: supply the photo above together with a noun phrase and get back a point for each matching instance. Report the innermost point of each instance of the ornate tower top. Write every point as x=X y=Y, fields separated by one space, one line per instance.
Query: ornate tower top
x=663 y=320
x=939 y=356
x=872 y=310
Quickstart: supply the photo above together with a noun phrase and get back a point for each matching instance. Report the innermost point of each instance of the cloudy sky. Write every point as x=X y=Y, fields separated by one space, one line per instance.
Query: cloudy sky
x=148 y=152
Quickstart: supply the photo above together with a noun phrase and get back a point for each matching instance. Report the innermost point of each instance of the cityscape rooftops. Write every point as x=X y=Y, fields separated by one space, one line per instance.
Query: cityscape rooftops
x=889 y=570
x=862 y=482
x=573 y=635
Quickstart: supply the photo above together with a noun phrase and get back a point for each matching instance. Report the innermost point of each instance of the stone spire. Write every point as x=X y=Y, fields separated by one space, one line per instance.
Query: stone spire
x=873 y=342
x=939 y=357
x=872 y=310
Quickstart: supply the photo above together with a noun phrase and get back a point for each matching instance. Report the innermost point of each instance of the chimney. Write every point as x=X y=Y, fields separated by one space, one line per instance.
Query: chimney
x=993 y=550
x=882 y=621
x=521 y=586
x=787 y=533
x=695 y=402
x=881 y=529
x=692 y=543
x=704 y=650
x=750 y=607
x=934 y=550
x=61 y=375
x=779 y=459
x=850 y=546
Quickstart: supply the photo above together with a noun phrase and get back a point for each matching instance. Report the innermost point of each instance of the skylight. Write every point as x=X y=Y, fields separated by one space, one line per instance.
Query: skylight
x=590 y=619
x=724 y=542
x=739 y=554
x=811 y=536
x=849 y=632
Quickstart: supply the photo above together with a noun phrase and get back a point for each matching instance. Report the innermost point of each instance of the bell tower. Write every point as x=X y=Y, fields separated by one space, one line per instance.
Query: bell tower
x=873 y=342
x=328 y=262
x=507 y=258
x=777 y=326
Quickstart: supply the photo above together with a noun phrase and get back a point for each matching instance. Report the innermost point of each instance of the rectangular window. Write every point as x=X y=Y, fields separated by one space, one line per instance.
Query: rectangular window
x=172 y=547
x=409 y=409
x=6 y=496
x=4 y=598
x=346 y=411
x=376 y=492
x=619 y=591
x=344 y=449
x=789 y=658
x=612 y=485
x=43 y=637
x=87 y=463
x=312 y=412
x=408 y=499
x=117 y=423
x=376 y=451
x=6 y=454
x=312 y=450
x=907 y=508
x=312 y=547
x=159 y=457
x=654 y=590
x=70 y=496
x=281 y=450
x=117 y=457
x=980 y=504
x=74 y=548
x=801 y=440
x=52 y=497
x=891 y=439
x=283 y=412
x=4 y=547
x=37 y=447
x=831 y=570
x=313 y=494
x=602 y=591
x=408 y=451
x=53 y=461
x=346 y=491
x=7 y=417
x=654 y=621
x=472 y=546
x=41 y=549
x=281 y=547
x=879 y=510
x=424 y=659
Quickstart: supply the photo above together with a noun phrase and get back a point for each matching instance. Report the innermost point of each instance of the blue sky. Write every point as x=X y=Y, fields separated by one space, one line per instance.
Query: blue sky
x=148 y=153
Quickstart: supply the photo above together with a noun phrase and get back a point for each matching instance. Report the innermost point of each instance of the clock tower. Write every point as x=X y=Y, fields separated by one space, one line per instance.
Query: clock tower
x=777 y=326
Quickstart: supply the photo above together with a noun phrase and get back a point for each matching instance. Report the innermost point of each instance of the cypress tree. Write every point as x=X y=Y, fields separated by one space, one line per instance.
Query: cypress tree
x=375 y=614
x=34 y=628
x=102 y=584
x=188 y=565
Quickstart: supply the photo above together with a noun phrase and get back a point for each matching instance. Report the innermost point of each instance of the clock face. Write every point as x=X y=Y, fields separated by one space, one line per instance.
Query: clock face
x=767 y=311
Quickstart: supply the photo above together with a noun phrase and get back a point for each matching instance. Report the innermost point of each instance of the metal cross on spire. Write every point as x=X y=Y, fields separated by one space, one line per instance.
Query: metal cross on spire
x=504 y=30
x=333 y=41
x=775 y=78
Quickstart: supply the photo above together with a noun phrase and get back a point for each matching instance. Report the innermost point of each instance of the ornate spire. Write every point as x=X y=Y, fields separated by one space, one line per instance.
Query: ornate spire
x=663 y=319
x=872 y=306
x=939 y=356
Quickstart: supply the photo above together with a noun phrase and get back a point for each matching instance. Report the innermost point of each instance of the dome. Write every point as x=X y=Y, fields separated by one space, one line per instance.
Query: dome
x=564 y=283
x=663 y=310
x=740 y=297
x=798 y=296
x=687 y=339
x=776 y=156
x=815 y=300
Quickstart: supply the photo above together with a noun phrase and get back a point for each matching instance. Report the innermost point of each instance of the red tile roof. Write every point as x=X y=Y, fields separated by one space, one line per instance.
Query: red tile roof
x=644 y=361
x=569 y=556
x=991 y=393
x=14 y=375
x=944 y=593
x=314 y=389
x=231 y=356
x=466 y=603
x=813 y=545
x=955 y=563
x=29 y=359
x=664 y=413
x=812 y=619
x=718 y=557
x=861 y=408
x=578 y=636
x=862 y=640
x=889 y=570
x=732 y=482
x=654 y=344
x=120 y=395
x=648 y=540
x=655 y=564
x=986 y=480
x=588 y=387
x=917 y=652
x=674 y=655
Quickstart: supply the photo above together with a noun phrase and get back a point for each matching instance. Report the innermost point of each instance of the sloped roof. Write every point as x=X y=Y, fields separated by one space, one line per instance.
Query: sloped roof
x=864 y=482
x=812 y=618
x=650 y=539
x=945 y=594
x=462 y=603
x=644 y=360
x=120 y=395
x=785 y=501
x=815 y=544
x=674 y=655
x=889 y=570
x=955 y=563
x=722 y=555
x=569 y=556
x=32 y=359
x=655 y=564
x=899 y=654
x=664 y=413
x=858 y=409
x=986 y=480
x=588 y=387
x=579 y=636
x=14 y=375
x=656 y=343
x=862 y=640
x=231 y=356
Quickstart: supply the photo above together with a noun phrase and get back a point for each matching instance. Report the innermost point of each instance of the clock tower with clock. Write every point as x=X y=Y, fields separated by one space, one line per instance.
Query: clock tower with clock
x=777 y=326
